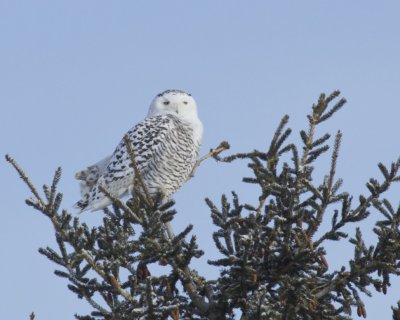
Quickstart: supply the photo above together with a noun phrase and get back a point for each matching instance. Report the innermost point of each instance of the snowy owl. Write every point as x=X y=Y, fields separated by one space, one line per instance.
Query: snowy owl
x=166 y=144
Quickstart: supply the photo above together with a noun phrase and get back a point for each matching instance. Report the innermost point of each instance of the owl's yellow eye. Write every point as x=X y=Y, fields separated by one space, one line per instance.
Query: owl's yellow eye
x=166 y=103
x=185 y=102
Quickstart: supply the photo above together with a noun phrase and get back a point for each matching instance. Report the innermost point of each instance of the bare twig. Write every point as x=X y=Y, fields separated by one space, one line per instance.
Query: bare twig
x=212 y=154
x=137 y=172
x=170 y=231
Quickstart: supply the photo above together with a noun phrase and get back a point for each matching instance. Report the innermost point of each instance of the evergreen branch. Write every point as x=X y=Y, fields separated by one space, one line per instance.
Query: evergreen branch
x=56 y=180
x=321 y=140
x=344 y=278
x=120 y=204
x=25 y=178
x=277 y=140
x=107 y=277
x=64 y=237
x=191 y=289
x=96 y=306
x=396 y=311
x=327 y=194
x=309 y=138
x=359 y=212
x=335 y=108
x=187 y=280
x=334 y=162
x=333 y=96
x=88 y=298
x=250 y=155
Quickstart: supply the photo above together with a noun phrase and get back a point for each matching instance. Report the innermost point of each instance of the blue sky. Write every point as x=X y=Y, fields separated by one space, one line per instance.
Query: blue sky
x=76 y=75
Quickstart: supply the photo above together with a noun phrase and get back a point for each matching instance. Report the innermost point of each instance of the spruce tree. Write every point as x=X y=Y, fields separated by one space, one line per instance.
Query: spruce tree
x=273 y=263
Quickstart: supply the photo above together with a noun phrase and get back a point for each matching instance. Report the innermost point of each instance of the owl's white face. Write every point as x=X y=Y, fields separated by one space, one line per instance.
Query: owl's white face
x=175 y=102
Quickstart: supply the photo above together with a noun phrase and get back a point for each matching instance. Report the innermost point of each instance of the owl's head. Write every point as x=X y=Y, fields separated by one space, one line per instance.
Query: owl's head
x=175 y=102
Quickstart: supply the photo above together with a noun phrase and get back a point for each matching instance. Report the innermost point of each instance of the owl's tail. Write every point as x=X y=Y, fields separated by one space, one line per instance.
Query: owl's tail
x=94 y=199
x=89 y=179
x=91 y=175
x=82 y=205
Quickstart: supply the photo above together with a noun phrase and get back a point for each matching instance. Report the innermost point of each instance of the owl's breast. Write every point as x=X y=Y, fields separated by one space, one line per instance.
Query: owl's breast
x=173 y=162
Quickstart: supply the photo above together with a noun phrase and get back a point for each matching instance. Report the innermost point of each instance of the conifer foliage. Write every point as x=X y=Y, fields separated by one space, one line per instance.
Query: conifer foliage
x=273 y=262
